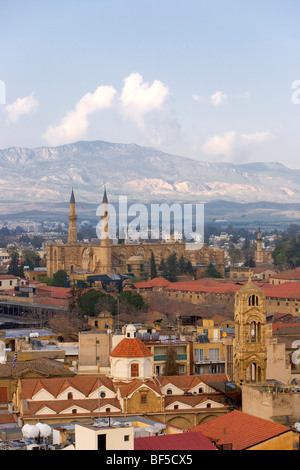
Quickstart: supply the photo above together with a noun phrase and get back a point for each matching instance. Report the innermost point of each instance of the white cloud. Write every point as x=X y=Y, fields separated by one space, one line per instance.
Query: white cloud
x=220 y=145
x=75 y=124
x=21 y=107
x=231 y=144
x=138 y=102
x=138 y=98
x=216 y=99
x=258 y=137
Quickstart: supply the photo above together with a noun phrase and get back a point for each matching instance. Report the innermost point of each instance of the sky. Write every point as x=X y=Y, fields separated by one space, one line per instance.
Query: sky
x=215 y=80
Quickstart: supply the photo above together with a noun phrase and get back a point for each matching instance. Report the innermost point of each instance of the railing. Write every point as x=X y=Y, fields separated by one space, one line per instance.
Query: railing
x=206 y=360
x=180 y=357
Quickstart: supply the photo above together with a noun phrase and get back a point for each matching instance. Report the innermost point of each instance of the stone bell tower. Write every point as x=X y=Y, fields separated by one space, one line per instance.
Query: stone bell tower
x=72 y=237
x=250 y=352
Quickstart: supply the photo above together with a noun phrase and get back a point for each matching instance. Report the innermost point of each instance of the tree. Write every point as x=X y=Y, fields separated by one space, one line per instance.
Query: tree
x=131 y=300
x=172 y=268
x=153 y=271
x=31 y=259
x=212 y=271
x=171 y=366
x=60 y=278
x=286 y=254
x=14 y=268
x=93 y=301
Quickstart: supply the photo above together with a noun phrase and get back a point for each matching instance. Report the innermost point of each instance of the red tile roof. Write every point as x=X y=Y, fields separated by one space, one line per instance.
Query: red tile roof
x=55 y=292
x=85 y=384
x=131 y=347
x=58 y=406
x=285 y=290
x=156 y=282
x=187 y=382
x=240 y=429
x=290 y=274
x=180 y=441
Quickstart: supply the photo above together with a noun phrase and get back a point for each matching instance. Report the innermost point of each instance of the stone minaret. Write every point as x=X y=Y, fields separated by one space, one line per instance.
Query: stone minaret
x=105 y=262
x=259 y=255
x=105 y=239
x=72 y=238
x=250 y=350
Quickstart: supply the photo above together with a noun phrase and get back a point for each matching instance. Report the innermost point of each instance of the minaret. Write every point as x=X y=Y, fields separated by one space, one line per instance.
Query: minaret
x=105 y=239
x=105 y=261
x=72 y=238
x=259 y=256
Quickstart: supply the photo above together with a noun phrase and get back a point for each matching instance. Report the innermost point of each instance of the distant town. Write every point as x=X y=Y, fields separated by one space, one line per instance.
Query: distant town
x=108 y=345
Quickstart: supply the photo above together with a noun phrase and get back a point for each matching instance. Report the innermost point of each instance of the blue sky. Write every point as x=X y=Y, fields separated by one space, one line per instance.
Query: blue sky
x=211 y=80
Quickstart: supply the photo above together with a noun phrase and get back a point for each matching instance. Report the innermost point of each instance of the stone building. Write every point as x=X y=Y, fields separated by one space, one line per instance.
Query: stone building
x=262 y=255
x=250 y=353
x=108 y=258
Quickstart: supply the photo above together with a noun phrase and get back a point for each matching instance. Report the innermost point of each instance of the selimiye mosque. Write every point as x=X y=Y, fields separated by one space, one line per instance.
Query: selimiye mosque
x=107 y=257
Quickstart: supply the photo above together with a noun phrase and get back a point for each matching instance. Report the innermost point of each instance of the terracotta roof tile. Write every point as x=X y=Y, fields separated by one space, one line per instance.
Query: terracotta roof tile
x=240 y=429
x=180 y=441
x=84 y=384
x=131 y=347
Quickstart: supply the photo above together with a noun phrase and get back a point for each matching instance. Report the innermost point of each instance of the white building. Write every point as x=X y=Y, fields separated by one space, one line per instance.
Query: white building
x=131 y=358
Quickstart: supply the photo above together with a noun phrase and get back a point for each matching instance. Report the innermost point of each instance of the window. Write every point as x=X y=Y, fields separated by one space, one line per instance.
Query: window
x=126 y=438
x=199 y=355
x=107 y=410
x=200 y=390
x=134 y=370
x=70 y=396
x=74 y=411
x=176 y=407
x=214 y=354
x=143 y=399
x=102 y=395
x=169 y=391
x=208 y=405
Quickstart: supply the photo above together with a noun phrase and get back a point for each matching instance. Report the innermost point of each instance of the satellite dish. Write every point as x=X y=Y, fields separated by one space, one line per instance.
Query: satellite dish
x=108 y=331
x=30 y=431
x=45 y=430
x=297 y=426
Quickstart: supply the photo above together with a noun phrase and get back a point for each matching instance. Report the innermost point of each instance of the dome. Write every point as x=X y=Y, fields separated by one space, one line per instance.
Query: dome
x=131 y=347
x=135 y=259
x=250 y=287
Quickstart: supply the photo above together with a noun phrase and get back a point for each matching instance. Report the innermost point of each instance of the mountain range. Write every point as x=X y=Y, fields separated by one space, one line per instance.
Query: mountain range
x=47 y=174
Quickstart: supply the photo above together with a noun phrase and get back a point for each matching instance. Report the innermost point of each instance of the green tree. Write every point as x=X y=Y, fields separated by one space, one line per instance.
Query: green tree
x=14 y=268
x=171 y=366
x=60 y=278
x=172 y=268
x=128 y=298
x=212 y=271
x=93 y=301
x=31 y=259
x=153 y=271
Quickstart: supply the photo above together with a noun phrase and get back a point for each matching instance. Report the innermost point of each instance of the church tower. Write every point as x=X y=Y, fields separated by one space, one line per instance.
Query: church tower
x=72 y=237
x=250 y=351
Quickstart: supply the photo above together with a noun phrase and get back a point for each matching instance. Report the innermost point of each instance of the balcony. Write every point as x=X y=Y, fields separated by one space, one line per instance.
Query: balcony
x=180 y=357
x=208 y=360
